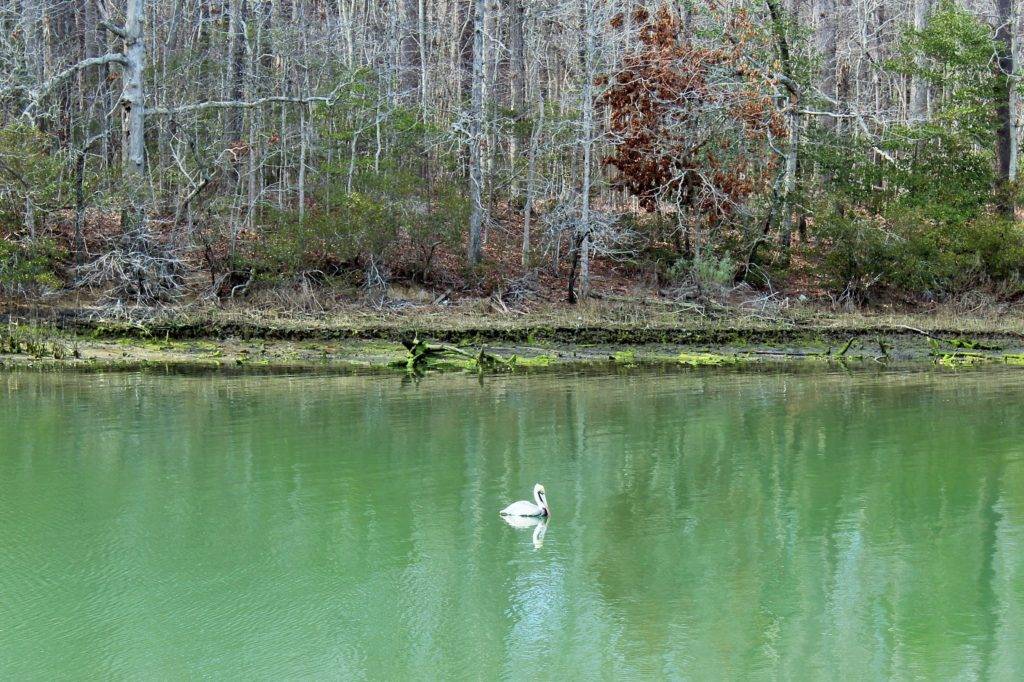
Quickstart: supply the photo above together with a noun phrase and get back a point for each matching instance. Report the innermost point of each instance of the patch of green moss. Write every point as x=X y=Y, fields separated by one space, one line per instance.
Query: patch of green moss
x=962 y=359
x=625 y=357
x=536 y=361
x=705 y=359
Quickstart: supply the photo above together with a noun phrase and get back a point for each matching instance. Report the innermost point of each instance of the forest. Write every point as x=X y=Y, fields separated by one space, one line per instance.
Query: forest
x=155 y=152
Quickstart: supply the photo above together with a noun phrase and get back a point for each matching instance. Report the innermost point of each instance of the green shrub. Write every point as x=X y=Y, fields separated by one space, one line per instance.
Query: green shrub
x=863 y=256
x=27 y=265
x=370 y=222
x=32 y=170
x=706 y=270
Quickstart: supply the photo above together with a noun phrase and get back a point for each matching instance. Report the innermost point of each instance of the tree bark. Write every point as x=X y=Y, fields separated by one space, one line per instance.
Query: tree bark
x=236 y=66
x=1006 y=146
x=476 y=218
x=531 y=181
x=793 y=119
x=918 y=87
x=587 y=115
x=133 y=108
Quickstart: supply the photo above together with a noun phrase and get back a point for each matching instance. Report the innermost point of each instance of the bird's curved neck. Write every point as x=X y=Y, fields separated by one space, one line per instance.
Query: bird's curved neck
x=541 y=502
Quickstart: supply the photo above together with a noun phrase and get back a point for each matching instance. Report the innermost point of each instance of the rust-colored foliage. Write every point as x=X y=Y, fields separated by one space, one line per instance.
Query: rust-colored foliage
x=686 y=117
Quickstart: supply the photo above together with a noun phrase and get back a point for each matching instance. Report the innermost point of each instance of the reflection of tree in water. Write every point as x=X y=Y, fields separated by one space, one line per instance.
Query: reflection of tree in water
x=845 y=525
x=827 y=526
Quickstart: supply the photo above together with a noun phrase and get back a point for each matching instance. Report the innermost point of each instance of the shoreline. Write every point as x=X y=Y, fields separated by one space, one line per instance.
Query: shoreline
x=75 y=339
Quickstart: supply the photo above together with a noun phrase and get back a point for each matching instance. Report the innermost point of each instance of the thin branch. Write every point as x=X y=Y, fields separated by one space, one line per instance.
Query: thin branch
x=235 y=104
x=116 y=30
x=42 y=92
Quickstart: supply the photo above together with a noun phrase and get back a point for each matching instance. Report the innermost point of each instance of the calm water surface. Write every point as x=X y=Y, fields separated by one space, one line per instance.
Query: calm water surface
x=705 y=525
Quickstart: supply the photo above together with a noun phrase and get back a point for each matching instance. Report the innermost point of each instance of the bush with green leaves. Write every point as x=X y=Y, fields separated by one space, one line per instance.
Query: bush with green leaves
x=705 y=270
x=391 y=216
x=29 y=265
x=377 y=207
x=30 y=173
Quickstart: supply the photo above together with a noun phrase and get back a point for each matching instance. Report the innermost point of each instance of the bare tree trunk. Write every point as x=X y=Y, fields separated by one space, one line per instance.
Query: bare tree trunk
x=517 y=57
x=531 y=180
x=1005 y=138
x=516 y=78
x=789 y=182
x=236 y=66
x=793 y=118
x=918 y=87
x=29 y=216
x=80 y=207
x=31 y=25
x=303 y=144
x=827 y=34
x=410 y=71
x=587 y=115
x=1016 y=113
x=252 y=50
x=421 y=31
x=476 y=218
x=133 y=107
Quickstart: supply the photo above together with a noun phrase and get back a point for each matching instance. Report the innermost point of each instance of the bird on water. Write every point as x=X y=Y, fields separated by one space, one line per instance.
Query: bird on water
x=527 y=508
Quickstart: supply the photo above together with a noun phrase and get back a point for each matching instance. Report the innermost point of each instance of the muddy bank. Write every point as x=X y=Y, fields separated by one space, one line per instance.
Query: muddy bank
x=78 y=342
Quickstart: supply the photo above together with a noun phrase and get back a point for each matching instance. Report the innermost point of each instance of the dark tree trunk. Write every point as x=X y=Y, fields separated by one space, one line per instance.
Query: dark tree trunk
x=1005 y=131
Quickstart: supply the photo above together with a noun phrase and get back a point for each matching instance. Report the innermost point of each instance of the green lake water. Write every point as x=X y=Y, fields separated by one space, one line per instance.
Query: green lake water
x=705 y=525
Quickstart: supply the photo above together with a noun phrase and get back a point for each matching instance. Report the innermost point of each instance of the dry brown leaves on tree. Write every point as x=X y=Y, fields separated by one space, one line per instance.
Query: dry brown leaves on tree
x=687 y=118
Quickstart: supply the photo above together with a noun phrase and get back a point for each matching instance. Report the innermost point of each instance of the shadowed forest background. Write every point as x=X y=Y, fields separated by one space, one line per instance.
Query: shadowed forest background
x=277 y=153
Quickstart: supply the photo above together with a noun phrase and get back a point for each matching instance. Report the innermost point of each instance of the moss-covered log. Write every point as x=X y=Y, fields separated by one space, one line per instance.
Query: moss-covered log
x=421 y=355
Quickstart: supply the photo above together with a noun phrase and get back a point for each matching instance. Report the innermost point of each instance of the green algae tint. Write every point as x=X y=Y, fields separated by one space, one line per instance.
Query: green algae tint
x=705 y=525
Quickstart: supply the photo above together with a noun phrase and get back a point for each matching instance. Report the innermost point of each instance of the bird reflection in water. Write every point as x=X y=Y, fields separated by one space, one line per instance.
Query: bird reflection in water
x=538 y=523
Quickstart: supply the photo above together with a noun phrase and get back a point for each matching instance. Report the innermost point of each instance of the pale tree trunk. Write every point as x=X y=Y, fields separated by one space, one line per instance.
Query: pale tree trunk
x=492 y=96
x=421 y=32
x=581 y=238
x=531 y=181
x=133 y=108
x=918 y=87
x=789 y=183
x=827 y=34
x=303 y=144
x=304 y=113
x=30 y=216
x=516 y=86
x=587 y=115
x=1016 y=109
x=106 y=96
x=476 y=218
x=31 y=25
x=252 y=49
x=881 y=95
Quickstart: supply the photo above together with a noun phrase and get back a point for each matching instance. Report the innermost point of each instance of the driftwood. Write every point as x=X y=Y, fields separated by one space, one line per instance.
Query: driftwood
x=421 y=354
x=959 y=342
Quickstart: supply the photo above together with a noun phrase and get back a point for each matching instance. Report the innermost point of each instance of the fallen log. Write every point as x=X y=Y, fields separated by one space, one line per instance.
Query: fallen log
x=421 y=353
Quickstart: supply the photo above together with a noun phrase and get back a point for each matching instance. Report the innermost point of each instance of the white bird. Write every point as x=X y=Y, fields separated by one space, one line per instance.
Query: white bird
x=527 y=508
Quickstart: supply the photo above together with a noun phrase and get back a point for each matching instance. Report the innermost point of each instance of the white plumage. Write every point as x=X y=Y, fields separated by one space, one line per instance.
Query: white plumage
x=527 y=508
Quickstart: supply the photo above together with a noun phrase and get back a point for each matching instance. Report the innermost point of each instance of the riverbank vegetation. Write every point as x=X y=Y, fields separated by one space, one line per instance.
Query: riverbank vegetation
x=721 y=160
x=541 y=340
